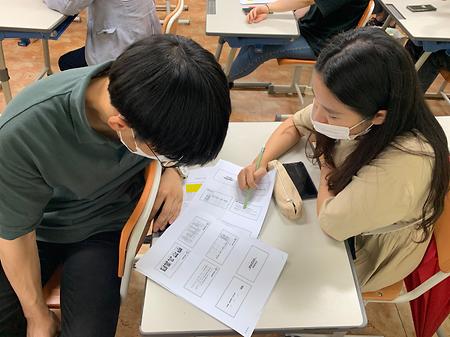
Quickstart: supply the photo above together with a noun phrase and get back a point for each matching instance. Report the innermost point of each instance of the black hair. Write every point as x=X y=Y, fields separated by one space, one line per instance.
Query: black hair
x=174 y=95
x=369 y=71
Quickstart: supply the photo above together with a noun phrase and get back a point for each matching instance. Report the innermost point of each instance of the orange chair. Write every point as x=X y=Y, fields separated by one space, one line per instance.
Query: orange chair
x=170 y=22
x=394 y=294
x=131 y=238
x=299 y=64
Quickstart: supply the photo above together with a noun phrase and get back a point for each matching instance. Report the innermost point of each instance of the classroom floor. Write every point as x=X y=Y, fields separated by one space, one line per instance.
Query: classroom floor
x=25 y=62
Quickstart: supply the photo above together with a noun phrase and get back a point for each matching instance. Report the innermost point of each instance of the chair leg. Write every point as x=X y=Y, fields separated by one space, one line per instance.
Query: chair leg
x=292 y=88
x=440 y=332
x=219 y=48
x=229 y=62
x=442 y=92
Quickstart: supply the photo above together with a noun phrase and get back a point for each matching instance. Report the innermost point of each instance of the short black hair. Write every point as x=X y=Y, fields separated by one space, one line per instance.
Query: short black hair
x=174 y=95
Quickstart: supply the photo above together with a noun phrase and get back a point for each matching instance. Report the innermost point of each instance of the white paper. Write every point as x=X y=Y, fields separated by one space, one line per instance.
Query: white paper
x=226 y=275
x=221 y=196
x=195 y=178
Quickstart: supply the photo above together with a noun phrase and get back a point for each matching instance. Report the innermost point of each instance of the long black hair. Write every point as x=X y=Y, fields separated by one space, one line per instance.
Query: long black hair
x=369 y=71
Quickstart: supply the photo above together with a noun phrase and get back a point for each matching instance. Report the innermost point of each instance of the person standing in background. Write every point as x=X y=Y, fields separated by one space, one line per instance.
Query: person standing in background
x=113 y=25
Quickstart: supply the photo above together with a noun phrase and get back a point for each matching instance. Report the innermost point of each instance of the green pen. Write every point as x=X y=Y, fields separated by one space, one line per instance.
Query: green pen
x=258 y=164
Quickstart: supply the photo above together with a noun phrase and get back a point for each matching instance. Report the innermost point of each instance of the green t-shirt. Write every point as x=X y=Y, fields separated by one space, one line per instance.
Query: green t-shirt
x=57 y=175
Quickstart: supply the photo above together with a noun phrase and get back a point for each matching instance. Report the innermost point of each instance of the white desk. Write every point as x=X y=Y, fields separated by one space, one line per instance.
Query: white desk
x=225 y=18
x=317 y=290
x=421 y=26
x=27 y=19
x=445 y=123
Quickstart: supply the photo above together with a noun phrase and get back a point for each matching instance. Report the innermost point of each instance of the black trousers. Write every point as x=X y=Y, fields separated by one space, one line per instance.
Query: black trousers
x=72 y=59
x=90 y=288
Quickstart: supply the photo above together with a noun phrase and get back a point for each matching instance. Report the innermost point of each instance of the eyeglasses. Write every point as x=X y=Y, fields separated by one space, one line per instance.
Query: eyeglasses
x=164 y=163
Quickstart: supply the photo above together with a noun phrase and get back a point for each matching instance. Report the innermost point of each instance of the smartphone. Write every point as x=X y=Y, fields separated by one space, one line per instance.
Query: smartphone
x=421 y=8
x=246 y=10
x=301 y=179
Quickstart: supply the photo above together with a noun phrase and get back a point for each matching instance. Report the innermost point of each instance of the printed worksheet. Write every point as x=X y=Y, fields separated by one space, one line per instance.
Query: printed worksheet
x=193 y=183
x=206 y=262
x=221 y=196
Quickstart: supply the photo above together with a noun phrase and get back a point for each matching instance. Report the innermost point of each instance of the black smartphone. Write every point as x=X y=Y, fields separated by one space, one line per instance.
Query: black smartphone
x=421 y=8
x=301 y=179
x=246 y=10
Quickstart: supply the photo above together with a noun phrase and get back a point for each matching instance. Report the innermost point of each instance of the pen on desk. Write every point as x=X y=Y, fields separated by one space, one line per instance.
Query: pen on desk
x=258 y=163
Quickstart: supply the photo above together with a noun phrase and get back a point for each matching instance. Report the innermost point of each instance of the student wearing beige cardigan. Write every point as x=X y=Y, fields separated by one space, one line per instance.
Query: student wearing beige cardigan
x=383 y=155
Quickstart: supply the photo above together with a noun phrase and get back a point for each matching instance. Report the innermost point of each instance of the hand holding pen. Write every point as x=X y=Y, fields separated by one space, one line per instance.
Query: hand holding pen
x=249 y=190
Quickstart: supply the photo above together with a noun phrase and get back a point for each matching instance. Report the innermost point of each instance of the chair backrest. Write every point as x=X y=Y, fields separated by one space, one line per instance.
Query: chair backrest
x=367 y=13
x=442 y=237
x=170 y=22
x=137 y=226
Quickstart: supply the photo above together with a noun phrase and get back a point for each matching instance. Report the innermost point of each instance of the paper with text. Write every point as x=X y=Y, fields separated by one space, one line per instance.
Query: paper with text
x=225 y=274
x=193 y=183
x=221 y=196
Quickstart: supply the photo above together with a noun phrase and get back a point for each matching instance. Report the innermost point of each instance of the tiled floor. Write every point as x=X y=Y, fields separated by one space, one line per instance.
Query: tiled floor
x=23 y=63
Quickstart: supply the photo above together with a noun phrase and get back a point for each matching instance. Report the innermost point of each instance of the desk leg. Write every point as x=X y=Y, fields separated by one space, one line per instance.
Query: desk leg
x=422 y=60
x=4 y=76
x=386 y=22
x=48 y=66
x=230 y=60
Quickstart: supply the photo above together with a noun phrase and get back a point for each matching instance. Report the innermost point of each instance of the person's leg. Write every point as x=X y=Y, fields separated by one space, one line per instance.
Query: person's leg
x=90 y=287
x=12 y=320
x=430 y=69
x=72 y=59
x=377 y=8
x=250 y=57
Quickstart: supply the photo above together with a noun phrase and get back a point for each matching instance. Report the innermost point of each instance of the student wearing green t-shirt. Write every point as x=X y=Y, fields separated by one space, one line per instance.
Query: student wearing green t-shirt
x=73 y=148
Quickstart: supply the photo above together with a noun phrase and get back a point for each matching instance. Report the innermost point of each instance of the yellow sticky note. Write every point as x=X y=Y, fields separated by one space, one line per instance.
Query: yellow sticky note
x=192 y=188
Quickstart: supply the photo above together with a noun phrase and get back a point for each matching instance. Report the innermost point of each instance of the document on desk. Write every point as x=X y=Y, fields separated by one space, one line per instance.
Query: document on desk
x=221 y=196
x=193 y=183
x=225 y=274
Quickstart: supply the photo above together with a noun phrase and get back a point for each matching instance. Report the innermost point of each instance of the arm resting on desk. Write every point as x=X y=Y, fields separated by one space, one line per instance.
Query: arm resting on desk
x=68 y=7
x=289 y=5
x=20 y=261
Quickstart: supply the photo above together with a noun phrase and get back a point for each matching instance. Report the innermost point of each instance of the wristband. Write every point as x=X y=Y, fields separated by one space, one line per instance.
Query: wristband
x=268 y=9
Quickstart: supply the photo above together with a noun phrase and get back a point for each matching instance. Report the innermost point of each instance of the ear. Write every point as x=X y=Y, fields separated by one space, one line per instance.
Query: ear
x=379 y=117
x=117 y=123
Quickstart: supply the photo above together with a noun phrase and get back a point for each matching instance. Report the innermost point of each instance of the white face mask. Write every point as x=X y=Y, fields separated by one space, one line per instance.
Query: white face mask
x=139 y=151
x=338 y=132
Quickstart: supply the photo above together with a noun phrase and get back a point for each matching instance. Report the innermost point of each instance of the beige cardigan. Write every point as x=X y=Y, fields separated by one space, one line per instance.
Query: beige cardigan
x=389 y=190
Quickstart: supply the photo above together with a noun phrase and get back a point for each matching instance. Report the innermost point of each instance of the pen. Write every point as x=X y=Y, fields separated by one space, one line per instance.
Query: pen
x=258 y=163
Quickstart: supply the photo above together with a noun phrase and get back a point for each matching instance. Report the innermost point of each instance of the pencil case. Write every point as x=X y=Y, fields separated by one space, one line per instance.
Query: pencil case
x=285 y=193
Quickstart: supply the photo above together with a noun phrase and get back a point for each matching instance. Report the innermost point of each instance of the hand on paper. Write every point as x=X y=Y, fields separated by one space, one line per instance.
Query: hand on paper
x=169 y=197
x=249 y=176
x=257 y=14
x=46 y=325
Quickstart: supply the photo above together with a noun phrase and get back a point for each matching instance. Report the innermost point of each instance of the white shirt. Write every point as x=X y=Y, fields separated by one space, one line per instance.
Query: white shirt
x=112 y=24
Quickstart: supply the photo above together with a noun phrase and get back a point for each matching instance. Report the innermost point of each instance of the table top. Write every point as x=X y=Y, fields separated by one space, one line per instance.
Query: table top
x=226 y=18
x=421 y=26
x=28 y=15
x=317 y=288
